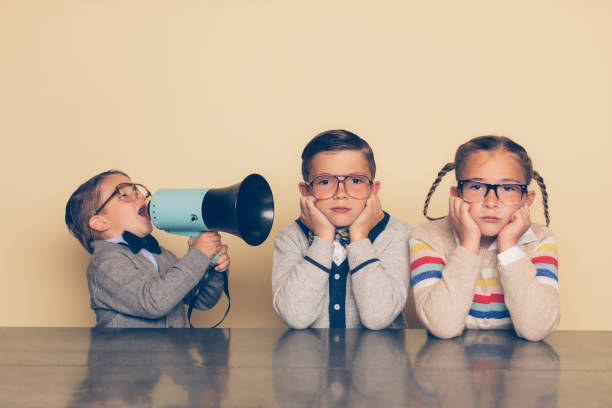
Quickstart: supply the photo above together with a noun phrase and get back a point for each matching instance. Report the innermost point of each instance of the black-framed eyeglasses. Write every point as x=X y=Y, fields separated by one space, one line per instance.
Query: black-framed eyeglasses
x=475 y=191
x=127 y=192
x=326 y=186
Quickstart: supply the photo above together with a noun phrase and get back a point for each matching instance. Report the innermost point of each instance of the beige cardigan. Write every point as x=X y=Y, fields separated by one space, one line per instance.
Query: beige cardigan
x=448 y=280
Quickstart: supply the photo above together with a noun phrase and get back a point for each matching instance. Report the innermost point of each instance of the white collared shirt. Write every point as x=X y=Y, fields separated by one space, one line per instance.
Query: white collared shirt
x=118 y=239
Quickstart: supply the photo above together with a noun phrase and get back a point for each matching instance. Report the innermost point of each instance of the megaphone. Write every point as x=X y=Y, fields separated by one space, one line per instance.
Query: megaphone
x=245 y=209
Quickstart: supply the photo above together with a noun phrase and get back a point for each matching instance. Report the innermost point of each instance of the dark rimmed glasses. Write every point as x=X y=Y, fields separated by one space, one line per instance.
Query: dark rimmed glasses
x=357 y=186
x=127 y=192
x=476 y=191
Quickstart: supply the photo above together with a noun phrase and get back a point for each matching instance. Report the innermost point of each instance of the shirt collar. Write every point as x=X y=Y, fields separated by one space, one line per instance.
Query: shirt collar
x=527 y=237
x=117 y=239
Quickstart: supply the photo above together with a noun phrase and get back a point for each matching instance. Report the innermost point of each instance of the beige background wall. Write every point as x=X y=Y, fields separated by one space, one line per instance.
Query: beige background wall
x=202 y=93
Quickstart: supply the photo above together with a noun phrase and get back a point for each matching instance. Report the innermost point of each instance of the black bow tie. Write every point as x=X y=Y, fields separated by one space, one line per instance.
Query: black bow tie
x=136 y=243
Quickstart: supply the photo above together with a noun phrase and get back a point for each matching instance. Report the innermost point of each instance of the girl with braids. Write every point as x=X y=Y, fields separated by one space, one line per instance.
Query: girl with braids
x=485 y=265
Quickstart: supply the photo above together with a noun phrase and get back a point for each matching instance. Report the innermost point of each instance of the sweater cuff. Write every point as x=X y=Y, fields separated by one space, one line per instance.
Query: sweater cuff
x=510 y=255
x=320 y=254
x=360 y=253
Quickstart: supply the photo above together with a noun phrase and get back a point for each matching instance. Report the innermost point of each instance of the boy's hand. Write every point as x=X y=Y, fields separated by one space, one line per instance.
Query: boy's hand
x=315 y=220
x=369 y=217
x=520 y=222
x=463 y=224
x=222 y=263
x=207 y=242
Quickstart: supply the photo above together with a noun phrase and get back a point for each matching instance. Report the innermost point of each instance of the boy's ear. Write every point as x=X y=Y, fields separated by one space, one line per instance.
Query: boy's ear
x=530 y=197
x=304 y=189
x=98 y=223
x=454 y=192
x=375 y=187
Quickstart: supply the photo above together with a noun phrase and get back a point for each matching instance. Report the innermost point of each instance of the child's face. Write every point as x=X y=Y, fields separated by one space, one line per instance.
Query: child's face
x=118 y=215
x=498 y=167
x=341 y=210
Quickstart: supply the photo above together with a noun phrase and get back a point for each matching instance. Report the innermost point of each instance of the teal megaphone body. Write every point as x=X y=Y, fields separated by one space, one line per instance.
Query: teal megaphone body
x=245 y=209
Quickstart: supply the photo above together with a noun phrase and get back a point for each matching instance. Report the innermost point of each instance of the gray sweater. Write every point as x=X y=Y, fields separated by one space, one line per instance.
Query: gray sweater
x=376 y=285
x=126 y=289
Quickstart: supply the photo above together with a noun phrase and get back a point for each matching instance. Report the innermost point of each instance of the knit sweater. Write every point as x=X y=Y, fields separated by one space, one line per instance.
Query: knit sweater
x=373 y=289
x=456 y=289
x=127 y=290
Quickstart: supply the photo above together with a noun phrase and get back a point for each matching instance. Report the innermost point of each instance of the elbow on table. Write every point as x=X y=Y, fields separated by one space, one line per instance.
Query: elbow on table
x=294 y=319
x=536 y=333
x=375 y=322
x=297 y=322
x=446 y=331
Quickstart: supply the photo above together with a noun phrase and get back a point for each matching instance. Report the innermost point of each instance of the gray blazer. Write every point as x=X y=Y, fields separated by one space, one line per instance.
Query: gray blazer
x=126 y=290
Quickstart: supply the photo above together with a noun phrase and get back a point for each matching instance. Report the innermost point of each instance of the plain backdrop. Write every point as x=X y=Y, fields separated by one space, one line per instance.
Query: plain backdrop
x=190 y=94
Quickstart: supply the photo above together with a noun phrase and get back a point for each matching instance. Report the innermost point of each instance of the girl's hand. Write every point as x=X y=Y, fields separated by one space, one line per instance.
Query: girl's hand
x=463 y=224
x=369 y=217
x=520 y=222
x=315 y=220
x=222 y=263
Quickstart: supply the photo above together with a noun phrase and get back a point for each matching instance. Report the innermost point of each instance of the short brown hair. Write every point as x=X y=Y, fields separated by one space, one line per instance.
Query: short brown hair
x=336 y=140
x=490 y=144
x=81 y=206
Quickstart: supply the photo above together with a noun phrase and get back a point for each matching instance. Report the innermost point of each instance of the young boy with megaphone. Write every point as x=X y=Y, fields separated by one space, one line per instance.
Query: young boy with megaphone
x=133 y=282
x=344 y=262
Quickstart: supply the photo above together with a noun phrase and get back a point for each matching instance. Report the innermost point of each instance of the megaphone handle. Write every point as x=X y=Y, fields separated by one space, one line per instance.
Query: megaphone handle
x=197 y=293
x=214 y=258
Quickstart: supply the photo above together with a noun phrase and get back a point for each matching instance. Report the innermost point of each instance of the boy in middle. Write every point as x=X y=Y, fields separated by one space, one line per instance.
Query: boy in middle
x=344 y=263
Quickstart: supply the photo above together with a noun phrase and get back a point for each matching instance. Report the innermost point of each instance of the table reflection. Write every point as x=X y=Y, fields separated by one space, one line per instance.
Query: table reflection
x=125 y=365
x=338 y=368
x=492 y=368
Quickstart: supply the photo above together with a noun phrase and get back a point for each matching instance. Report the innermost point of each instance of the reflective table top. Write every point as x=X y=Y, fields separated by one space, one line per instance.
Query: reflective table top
x=78 y=367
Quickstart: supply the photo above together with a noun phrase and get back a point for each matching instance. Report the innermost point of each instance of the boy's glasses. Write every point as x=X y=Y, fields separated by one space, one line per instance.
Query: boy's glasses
x=325 y=187
x=127 y=192
x=475 y=191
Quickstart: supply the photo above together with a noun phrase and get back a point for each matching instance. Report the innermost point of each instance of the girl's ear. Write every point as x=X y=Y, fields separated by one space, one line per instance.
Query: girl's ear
x=454 y=192
x=375 y=187
x=530 y=197
x=304 y=189
x=98 y=223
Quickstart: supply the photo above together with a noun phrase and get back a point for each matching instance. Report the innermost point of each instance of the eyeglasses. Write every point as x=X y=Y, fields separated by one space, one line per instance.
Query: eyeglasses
x=476 y=191
x=127 y=192
x=356 y=185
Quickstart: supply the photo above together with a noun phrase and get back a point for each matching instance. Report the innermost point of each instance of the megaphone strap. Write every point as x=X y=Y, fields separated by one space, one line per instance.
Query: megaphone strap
x=196 y=294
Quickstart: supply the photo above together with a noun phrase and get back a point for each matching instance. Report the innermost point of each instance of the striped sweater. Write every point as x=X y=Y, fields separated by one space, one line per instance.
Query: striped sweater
x=456 y=289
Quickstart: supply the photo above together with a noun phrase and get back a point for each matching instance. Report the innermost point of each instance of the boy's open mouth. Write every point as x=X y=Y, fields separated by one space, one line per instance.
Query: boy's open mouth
x=142 y=211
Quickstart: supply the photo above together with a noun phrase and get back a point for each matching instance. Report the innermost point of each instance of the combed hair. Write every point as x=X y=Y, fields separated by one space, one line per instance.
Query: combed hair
x=81 y=206
x=335 y=140
x=490 y=144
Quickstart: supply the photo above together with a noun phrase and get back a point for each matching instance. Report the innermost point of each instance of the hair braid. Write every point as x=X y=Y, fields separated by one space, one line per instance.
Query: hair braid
x=447 y=167
x=537 y=177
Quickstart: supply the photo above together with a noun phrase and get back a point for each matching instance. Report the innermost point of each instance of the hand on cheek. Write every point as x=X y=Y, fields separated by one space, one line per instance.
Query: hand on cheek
x=315 y=220
x=369 y=217
x=519 y=223
x=463 y=224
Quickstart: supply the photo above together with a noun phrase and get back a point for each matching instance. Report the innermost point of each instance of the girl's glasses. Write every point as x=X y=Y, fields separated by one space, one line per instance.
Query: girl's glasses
x=475 y=191
x=127 y=192
x=356 y=185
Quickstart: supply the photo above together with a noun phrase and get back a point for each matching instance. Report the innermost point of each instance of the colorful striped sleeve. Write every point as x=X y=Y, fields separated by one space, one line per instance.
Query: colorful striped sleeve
x=426 y=265
x=546 y=262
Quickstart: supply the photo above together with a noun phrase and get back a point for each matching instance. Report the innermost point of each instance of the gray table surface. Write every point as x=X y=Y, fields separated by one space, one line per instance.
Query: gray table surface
x=80 y=367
